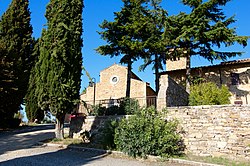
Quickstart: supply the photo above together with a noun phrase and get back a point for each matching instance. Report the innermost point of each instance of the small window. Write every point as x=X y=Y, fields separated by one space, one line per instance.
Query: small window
x=114 y=79
x=235 y=78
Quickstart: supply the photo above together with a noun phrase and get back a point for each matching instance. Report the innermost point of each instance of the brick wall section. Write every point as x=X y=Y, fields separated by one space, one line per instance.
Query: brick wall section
x=215 y=130
x=170 y=93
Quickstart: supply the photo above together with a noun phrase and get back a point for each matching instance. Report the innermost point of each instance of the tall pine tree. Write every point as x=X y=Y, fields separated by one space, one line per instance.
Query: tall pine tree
x=124 y=35
x=202 y=32
x=156 y=45
x=58 y=70
x=15 y=62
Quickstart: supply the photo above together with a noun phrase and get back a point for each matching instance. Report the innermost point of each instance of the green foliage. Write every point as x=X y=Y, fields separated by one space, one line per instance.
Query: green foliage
x=208 y=94
x=148 y=134
x=203 y=32
x=33 y=111
x=59 y=64
x=109 y=134
x=15 y=61
x=58 y=69
x=97 y=110
x=125 y=35
x=126 y=107
x=156 y=44
x=129 y=106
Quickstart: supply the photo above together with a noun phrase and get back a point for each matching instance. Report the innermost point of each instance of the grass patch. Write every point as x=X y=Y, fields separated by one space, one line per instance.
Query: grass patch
x=215 y=160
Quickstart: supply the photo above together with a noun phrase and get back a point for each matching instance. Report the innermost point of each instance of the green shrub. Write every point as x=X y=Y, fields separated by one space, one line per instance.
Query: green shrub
x=114 y=110
x=129 y=106
x=208 y=94
x=147 y=133
x=108 y=133
x=98 y=110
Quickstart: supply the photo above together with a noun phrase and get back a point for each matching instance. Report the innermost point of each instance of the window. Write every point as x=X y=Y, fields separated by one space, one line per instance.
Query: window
x=114 y=79
x=235 y=78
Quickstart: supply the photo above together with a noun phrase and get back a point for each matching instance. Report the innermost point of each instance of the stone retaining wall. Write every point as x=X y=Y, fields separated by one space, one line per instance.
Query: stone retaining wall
x=221 y=131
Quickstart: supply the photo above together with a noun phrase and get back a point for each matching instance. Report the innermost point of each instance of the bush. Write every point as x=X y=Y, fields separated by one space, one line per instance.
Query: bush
x=208 y=94
x=127 y=107
x=98 y=110
x=148 y=134
x=108 y=134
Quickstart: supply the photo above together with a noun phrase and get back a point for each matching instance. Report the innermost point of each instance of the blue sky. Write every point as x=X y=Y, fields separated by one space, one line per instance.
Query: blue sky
x=96 y=11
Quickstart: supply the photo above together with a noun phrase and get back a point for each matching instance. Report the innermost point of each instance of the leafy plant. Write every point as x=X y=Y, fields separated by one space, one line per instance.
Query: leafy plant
x=148 y=134
x=129 y=106
x=208 y=94
x=109 y=134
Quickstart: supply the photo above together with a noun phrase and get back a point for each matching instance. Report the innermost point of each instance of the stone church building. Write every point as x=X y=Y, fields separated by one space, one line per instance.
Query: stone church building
x=112 y=87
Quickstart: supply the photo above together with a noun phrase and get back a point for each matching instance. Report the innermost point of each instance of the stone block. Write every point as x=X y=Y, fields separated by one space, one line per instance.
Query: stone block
x=221 y=145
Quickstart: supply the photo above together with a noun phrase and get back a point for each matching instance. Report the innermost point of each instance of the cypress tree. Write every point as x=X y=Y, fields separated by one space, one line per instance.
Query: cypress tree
x=33 y=111
x=15 y=63
x=58 y=70
x=201 y=32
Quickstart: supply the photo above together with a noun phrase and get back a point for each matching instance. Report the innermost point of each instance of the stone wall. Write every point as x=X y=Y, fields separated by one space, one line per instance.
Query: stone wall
x=218 y=131
x=93 y=124
x=221 y=131
x=177 y=64
x=170 y=94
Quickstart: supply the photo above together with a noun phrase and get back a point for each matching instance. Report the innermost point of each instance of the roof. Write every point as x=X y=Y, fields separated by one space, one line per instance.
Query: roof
x=235 y=62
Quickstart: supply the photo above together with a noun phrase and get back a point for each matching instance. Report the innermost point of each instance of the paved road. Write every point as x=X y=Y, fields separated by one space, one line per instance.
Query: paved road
x=20 y=149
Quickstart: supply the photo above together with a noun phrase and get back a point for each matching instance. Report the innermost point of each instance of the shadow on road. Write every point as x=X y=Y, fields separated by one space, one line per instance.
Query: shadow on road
x=13 y=141
x=67 y=157
x=23 y=129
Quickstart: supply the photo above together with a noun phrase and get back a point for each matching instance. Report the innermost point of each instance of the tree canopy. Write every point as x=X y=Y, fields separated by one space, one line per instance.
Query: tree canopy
x=127 y=34
x=15 y=61
x=203 y=32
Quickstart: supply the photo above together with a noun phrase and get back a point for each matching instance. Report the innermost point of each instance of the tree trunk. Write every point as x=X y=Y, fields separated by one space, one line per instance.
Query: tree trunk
x=188 y=75
x=157 y=84
x=59 y=132
x=129 y=79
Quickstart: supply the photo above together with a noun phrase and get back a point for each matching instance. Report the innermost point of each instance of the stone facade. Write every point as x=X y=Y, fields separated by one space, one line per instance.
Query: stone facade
x=170 y=93
x=219 y=131
x=234 y=74
x=112 y=86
